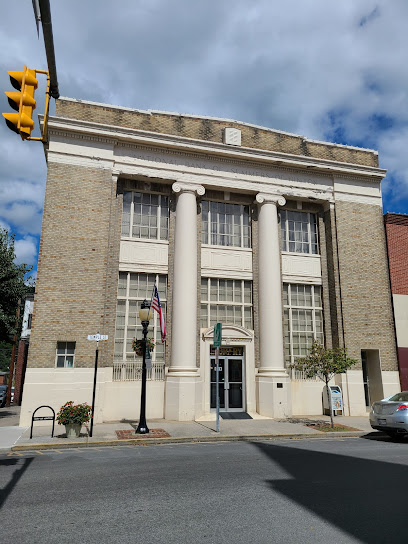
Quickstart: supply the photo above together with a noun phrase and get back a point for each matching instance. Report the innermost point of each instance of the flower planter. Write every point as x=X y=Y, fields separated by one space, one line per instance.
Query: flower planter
x=138 y=346
x=73 y=430
x=73 y=417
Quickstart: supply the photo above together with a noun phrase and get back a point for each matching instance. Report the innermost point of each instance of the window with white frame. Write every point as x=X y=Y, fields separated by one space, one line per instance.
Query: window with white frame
x=145 y=215
x=133 y=288
x=65 y=354
x=225 y=224
x=303 y=318
x=299 y=232
x=226 y=301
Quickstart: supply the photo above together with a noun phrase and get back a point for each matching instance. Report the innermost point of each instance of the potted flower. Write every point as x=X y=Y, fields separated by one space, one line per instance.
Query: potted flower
x=137 y=345
x=73 y=417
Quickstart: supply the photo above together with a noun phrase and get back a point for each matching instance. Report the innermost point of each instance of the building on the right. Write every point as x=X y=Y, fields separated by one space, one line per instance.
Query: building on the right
x=396 y=229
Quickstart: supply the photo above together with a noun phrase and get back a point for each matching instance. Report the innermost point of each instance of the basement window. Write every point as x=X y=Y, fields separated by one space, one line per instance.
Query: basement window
x=65 y=354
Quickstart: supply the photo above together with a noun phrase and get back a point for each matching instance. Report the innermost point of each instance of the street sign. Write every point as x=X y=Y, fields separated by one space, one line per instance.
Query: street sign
x=97 y=337
x=217 y=344
x=217 y=335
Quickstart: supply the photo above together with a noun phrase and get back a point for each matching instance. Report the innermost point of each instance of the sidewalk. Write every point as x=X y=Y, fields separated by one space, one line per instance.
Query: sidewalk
x=164 y=431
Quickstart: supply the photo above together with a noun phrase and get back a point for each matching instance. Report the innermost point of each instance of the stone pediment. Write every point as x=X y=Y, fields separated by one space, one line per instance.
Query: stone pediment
x=230 y=333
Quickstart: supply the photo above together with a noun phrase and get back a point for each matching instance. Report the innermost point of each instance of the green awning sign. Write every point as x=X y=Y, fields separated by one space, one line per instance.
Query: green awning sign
x=217 y=335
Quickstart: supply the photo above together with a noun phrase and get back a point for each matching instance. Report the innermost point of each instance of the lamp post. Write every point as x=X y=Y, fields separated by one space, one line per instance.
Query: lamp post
x=144 y=316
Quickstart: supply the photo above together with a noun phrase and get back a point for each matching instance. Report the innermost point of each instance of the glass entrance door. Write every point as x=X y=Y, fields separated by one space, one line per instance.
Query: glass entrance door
x=231 y=384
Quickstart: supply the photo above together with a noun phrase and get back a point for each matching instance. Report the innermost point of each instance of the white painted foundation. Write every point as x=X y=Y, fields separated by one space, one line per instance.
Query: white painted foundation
x=113 y=401
x=187 y=398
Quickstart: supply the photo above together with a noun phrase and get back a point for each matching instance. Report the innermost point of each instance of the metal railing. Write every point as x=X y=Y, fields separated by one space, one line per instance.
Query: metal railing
x=131 y=371
x=300 y=376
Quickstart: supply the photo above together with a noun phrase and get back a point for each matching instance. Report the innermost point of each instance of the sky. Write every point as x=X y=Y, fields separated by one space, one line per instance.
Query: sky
x=328 y=70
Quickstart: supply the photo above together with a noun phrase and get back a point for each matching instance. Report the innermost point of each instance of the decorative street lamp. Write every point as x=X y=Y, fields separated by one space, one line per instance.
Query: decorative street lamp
x=144 y=316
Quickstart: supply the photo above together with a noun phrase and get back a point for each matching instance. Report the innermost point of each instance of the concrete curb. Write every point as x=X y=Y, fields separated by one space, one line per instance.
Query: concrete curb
x=183 y=440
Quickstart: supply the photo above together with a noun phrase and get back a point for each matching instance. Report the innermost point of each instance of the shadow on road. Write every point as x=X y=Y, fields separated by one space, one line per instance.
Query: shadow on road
x=383 y=437
x=21 y=466
x=362 y=497
x=5 y=412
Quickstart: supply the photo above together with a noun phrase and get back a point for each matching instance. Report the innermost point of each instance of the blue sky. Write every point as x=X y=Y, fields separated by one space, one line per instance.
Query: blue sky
x=332 y=71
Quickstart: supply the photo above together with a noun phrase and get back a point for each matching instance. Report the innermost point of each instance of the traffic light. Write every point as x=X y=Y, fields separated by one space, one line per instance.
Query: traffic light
x=22 y=102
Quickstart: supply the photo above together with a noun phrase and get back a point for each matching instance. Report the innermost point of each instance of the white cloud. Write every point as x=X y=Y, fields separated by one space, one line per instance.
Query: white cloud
x=25 y=216
x=327 y=70
x=26 y=250
x=4 y=225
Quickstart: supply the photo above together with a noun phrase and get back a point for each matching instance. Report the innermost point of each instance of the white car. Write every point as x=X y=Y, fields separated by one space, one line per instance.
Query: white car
x=390 y=415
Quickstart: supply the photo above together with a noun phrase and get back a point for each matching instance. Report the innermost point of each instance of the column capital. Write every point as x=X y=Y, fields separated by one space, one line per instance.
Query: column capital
x=181 y=187
x=262 y=198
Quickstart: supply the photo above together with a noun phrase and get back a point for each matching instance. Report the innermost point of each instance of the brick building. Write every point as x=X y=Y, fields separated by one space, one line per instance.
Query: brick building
x=396 y=228
x=23 y=345
x=278 y=237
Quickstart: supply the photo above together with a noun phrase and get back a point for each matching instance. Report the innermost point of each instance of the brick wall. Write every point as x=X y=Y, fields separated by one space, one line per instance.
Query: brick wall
x=365 y=292
x=78 y=266
x=396 y=227
x=211 y=129
x=333 y=319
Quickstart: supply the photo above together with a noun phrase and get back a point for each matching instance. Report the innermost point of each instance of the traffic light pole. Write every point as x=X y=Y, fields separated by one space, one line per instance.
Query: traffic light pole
x=217 y=389
x=45 y=13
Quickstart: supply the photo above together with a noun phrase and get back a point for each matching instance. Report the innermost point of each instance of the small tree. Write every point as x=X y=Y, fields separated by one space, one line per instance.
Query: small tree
x=12 y=285
x=5 y=355
x=325 y=364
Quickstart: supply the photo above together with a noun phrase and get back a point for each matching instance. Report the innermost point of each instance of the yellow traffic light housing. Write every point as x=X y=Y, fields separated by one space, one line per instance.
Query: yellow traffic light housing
x=24 y=104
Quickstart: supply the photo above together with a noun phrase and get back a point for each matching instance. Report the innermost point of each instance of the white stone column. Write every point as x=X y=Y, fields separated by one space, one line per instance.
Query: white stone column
x=273 y=384
x=183 y=372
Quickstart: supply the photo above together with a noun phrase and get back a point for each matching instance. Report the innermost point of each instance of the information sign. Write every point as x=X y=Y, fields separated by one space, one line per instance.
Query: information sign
x=337 y=400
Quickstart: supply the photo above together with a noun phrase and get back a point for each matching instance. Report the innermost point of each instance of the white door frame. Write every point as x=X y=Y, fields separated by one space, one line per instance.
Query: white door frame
x=225 y=363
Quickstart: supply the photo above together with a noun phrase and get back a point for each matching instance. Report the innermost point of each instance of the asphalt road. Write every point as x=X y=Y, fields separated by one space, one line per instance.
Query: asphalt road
x=282 y=491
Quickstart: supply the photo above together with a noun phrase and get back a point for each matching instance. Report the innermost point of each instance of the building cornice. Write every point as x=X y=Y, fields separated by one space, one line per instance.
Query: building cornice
x=126 y=137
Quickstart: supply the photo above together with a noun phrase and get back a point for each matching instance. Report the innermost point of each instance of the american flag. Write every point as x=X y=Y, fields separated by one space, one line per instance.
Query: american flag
x=157 y=306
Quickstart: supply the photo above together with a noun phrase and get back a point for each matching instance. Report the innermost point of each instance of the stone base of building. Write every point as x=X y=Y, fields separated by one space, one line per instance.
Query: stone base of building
x=185 y=396
x=181 y=395
x=273 y=394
